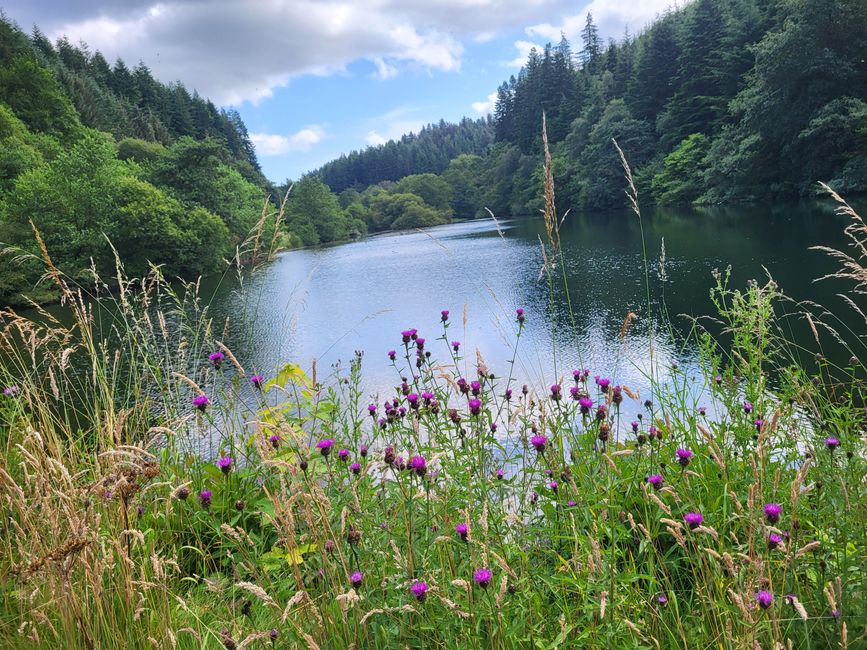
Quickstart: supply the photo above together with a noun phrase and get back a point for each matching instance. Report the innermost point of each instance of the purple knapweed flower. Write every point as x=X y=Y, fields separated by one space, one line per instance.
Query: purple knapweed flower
x=201 y=402
x=217 y=359
x=475 y=388
x=419 y=590
x=324 y=446
x=831 y=443
x=392 y=355
x=702 y=410
x=748 y=407
x=257 y=381
x=475 y=406
x=462 y=530
x=520 y=315
x=371 y=409
x=662 y=599
x=482 y=577
x=683 y=456
x=412 y=398
x=444 y=315
x=571 y=503
x=508 y=394
x=774 y=541
x=534 y=496
x=205 y=498
x=407 y=335
x=539 y=442
x=603 y=383
x=419 y=343
x=773 y=511
x=456 y=345
x=225 y=464
x=343 y=454
x=355 y=579
x=555 y=392
x=10 y=391
x=634 y=426
x=655 y=481
x=418 y=464
x=693 y=519
x=718 y=379
x=759 y=424
x=553 y=486
x=362 y=451
x=586 y=404
x=355 y=468
x=765 y=599
x=499 y=474
x=274 y=439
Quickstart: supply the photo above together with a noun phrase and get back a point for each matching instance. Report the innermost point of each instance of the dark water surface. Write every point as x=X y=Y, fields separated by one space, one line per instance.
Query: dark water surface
x=327 y=303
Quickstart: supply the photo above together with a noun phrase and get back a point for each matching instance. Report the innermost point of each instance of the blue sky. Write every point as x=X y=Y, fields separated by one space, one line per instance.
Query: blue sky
x=316 y=78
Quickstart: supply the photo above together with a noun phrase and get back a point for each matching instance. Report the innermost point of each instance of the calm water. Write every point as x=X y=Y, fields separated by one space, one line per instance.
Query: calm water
x=328 y=303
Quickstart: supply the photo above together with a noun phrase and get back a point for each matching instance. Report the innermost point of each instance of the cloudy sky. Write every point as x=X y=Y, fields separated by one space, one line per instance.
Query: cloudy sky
x=316 y=78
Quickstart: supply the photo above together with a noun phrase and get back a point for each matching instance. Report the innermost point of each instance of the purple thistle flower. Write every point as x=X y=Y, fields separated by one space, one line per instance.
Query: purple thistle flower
x=475 y=406
x=586 y=404
x=356 y=578
x=553 y=486
x=257 y=381
x=419 y=343
x=274 y=439
x=225 y=464
x=355 y=468
x=702 y=410
x=603 y=383
x=324 y=446
x=508 y=394
x=693 y=519
x=217 y=359
x=482 y=577
x=765 y=599
x=418 y=464
x=718 y=379
x=499 y=474
x=571 y=503
x=444 y=315
x=773 y=511
x=273 y=634
x=759 y=424
x=10 y=391
x=662 y=599
x=412 y=398
x=205 y=498
x=534 y=496
x=555 y=392
x=831 y=443
x=201 y=402
x=392 y=355
x=520 y=314
x=371 y=409
x=456 y=345
x=407 y=335
x=539 y=442
x=362 y=451
x=774 y=541
x=475 y=388
x=655 y=481
x=462 y=530
x=634 y=426
x=652 y=432
x=748 y=407
x=343 y=454
x=683 y=456
x=419 y=590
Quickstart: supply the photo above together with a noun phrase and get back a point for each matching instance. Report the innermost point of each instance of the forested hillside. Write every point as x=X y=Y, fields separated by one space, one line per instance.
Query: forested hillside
x=720 y=101
x=96 y=155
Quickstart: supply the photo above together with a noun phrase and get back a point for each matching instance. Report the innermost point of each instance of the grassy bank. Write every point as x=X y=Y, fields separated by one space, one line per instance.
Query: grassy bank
x=157 y=493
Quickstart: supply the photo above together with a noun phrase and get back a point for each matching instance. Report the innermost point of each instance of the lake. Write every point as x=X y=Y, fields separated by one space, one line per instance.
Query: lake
x=327 y=303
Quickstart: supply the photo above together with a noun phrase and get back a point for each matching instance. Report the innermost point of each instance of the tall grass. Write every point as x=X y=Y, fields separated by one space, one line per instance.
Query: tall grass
x=527 y=513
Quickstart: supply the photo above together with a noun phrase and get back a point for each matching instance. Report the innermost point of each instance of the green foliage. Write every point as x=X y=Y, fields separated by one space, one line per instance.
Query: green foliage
x=402 y=210
x=31 y=92
x=682 y=176
x=430 y=188
x=315 y=216
x=140 y=151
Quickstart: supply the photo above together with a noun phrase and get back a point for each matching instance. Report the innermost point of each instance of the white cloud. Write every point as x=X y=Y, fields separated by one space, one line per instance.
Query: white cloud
x=610 y=16
x=487 y=106
x=373 y=138
x=270 y=144
x=523 y=48
x=241 y=50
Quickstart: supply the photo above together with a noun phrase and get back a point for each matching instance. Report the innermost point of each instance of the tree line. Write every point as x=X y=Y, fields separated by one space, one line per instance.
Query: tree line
x=718 y=101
